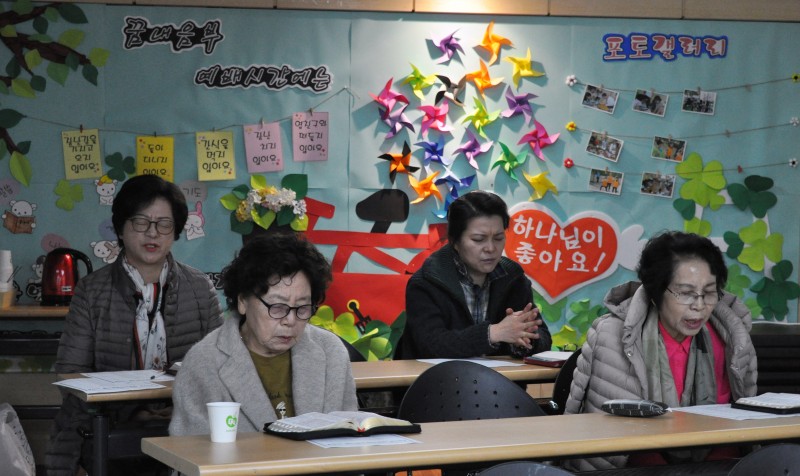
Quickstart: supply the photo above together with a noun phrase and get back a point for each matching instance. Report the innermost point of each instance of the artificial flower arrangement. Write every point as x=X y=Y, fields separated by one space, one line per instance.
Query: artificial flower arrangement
x=263 y=205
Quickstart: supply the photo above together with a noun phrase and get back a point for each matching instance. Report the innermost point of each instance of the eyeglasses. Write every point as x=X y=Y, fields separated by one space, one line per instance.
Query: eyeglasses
x=688 y=298
x=164 y=226
x=280 y=310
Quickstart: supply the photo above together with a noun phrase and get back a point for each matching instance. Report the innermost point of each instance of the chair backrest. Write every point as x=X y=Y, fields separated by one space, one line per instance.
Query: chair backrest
x=524 y=468
x=563 y=382
x=782 y=459
x=463 y=390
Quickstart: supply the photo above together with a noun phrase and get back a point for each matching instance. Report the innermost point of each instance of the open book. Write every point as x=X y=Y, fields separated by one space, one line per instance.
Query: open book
x=780 y=403
x=322 y=425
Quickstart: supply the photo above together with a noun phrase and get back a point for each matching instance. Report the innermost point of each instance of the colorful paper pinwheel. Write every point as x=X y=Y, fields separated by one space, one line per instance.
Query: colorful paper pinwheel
x=509 y=161
x=435 y=118
x=434 y=152
x=482 y=80
x=540 y=184
x=480 y=118
x=397 y=120
x=523 y=68
x=451 y=90
x=492 y=42
x=419 y=82
x=518 y=104
x=388 y=98
x=538 y=139
x=472 y=148
x=399 y=163
x=454 y=186
x=448 y=45
x=424 y=188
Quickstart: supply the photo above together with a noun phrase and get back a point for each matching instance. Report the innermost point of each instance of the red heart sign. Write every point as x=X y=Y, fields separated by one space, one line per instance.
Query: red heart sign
x=561 y=258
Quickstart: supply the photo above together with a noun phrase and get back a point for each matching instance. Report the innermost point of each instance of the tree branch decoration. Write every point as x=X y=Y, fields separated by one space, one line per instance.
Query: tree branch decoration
x=28 y=52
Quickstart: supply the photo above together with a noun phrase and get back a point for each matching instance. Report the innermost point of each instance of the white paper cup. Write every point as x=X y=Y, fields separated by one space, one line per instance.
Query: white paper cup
x=223 y=419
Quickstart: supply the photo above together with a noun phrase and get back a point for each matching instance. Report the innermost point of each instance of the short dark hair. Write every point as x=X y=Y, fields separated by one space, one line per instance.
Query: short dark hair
x=265 y=259
x=662 y=254
x=477 y=203
x=138 y=193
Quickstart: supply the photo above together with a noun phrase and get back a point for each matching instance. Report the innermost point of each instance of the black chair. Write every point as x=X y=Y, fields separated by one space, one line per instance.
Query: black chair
x=463 y=390
x=562 y=384
x=524 y=468
x=782 y=459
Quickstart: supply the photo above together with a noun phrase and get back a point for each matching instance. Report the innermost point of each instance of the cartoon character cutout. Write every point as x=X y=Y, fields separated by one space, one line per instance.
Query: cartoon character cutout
x=194 y=223
x=106 y=250
x=20 y=219
x=106 y=188
x=34 y=288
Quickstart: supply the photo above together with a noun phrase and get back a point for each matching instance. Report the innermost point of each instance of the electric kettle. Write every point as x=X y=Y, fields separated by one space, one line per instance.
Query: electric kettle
x=60 y=275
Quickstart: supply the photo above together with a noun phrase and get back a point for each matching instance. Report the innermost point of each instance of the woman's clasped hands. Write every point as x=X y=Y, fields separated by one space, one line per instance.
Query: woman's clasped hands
x=518 y=328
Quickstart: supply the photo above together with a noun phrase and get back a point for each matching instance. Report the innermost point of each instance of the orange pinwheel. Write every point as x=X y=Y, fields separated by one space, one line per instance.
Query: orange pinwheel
x=399 y=162
x=492 y=42
x=425 y=187
x=482 y=79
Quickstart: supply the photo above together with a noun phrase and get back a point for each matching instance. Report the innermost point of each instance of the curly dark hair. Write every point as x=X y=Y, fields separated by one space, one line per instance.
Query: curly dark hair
x=477 y=203
x=662 y=254
x=138 y=193
x=263 y=260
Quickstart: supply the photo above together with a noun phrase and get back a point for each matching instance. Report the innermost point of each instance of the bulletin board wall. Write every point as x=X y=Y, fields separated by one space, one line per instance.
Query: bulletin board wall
x=588 y=179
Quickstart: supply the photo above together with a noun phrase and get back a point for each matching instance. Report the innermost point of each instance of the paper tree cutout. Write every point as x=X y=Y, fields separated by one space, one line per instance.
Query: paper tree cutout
x=509 y=161
x=493 y=43
x=472 y=148
x=518 y=104
x=448 y=45
x=451 y=90
x=454 y=186
x=540 y=184
x=419 y=82
x=399 y=163
x=434 y=152
x=424 y=188
x=538 y=139
x=480 y=118
x=481 y=79
x=397 y=120
x=435 y=118
x=387 y=98
x=522 y=68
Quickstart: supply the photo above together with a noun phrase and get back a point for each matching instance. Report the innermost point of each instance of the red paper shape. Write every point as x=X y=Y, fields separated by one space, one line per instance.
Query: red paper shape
x=561 y=257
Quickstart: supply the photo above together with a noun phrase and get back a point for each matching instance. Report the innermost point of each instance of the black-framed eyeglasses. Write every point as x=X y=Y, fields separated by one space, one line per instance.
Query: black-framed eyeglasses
x=688 y=298
x=280 y=310
x=164 y=226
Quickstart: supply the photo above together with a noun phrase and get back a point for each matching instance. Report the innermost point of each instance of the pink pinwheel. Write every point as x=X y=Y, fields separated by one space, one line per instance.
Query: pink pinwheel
x=388 y=98
x=472 y=148
x=538 y=139
x=434 y=152
x=396 y=120
x=454 y=186
x=518 y=104
x=435 y=118
x=448 y=45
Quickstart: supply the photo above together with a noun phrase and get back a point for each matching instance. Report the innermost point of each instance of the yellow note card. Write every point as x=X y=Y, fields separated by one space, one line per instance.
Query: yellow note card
x=155 y=155
x=215 y=159
x=82 y=156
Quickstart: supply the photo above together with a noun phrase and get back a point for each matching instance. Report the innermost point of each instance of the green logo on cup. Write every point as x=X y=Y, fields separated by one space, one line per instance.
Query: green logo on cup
x=230 y=421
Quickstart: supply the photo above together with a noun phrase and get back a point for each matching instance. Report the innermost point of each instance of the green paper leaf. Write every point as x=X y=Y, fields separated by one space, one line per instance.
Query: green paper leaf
x=72 y=38
x=698 y=226
x=241 y=227
x=40 y=24
x=757 y=183
x=735 y=244
x=8 y=31
x=684 y=207
x=263 y=218
x=24 y=147
x=71 y=13
x=737 y=282
x=258 y=182
x=20 y=168
x=761 y=202
x=33 y=59
x=99 y=57
x=299 y=223
x=58 y=72
x=298 y=183
x=38 y=83
x=90 y=74
x=9 y=118
x=782 y=270
x=22 y=7
x=284 y=216
x=22 y=88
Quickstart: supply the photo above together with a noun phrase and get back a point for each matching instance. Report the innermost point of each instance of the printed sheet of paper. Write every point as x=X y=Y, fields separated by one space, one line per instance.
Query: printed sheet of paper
x=724 y=410
x=82 y=155
x=353 y=441
x=91 y=385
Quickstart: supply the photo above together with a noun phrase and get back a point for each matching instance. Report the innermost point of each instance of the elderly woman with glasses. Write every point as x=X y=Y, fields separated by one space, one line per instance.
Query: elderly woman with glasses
x=265 y=356
x=674 y=337
x=140 y=312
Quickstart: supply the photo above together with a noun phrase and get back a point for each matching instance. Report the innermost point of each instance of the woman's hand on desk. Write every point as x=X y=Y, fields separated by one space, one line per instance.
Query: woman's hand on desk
x=518 y=328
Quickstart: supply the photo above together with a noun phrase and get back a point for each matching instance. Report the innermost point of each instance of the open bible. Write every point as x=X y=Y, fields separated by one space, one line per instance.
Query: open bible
x=323 y=425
